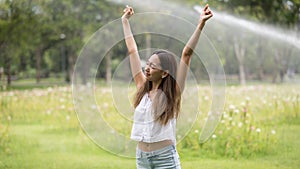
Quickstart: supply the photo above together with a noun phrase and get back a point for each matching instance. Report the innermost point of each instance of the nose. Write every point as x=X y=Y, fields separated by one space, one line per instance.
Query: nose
x=147 y=68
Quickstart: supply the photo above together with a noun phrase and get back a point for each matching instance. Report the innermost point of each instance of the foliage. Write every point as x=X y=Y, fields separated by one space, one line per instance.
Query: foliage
x=30 y=29
x=279 y=12
x=48 y=35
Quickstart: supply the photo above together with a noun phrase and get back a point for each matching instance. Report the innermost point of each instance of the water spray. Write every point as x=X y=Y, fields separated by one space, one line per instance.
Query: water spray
x=258 y=28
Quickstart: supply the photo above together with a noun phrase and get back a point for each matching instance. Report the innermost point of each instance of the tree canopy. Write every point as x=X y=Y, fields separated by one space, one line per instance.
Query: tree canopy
x=42 y=38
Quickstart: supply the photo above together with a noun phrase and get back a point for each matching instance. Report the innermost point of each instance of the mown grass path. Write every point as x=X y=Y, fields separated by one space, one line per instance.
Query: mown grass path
x=44 y=147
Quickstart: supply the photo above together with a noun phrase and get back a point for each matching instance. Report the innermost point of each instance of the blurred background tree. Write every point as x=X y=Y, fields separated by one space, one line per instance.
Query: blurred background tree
x=281 y=58
x=42 y=39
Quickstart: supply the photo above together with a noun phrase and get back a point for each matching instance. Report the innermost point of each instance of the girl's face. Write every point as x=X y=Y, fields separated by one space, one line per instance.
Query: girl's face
x=153 y=70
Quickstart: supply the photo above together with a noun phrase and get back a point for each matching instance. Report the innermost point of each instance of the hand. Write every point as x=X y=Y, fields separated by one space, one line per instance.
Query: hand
x=128 y=12
x=206 y=14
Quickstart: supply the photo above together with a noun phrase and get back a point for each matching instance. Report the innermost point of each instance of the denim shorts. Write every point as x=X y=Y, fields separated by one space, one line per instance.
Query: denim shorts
x=165 y=158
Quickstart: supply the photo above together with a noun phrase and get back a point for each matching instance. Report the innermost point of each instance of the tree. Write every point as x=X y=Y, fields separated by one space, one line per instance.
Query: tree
x=15 y=32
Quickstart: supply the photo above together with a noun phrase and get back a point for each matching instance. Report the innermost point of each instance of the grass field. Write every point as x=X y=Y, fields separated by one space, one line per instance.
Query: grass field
x=39 y=129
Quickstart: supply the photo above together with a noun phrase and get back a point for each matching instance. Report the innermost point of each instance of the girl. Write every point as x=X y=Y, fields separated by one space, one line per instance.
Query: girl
x=157 y=101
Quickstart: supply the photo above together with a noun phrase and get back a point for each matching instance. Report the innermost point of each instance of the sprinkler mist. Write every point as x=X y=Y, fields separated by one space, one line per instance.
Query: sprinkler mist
x=257 y=28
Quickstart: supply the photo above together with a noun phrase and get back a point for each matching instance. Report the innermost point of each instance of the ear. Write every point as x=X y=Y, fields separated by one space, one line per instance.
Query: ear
x=165 y=74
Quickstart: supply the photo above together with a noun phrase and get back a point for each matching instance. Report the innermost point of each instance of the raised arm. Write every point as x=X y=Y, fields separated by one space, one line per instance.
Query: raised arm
x=188 y=50
x=134 y=57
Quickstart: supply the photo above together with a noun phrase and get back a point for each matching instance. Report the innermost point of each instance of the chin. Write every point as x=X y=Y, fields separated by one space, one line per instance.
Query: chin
x=149 y=79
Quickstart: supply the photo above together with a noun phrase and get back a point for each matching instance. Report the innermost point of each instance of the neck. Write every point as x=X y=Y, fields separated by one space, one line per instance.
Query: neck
x=155 y=85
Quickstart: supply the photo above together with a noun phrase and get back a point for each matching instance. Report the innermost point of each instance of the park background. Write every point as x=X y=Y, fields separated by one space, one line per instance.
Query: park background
x=40 y=41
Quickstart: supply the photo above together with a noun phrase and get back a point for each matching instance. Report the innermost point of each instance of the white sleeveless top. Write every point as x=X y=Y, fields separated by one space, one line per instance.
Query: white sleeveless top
x=146 y=129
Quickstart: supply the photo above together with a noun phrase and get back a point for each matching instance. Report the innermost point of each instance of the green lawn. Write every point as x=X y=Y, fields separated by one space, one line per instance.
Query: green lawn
x=42 y=146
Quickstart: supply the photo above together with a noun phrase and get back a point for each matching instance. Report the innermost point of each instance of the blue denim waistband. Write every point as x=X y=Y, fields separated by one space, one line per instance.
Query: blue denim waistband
x=141 y=154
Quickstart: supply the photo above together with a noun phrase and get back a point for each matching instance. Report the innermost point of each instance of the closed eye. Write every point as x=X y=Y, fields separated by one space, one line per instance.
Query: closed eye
x=152 y=65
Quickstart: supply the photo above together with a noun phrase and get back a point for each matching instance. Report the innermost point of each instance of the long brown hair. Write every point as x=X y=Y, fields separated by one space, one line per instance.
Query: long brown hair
x=166 y=103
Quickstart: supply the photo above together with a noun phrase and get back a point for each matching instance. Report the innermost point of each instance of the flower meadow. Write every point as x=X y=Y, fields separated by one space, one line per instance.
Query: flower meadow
x=248 y=126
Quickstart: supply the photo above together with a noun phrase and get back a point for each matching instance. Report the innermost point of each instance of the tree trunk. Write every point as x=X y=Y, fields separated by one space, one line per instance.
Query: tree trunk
x=70 y=67
x=65 y=59
x=38 y=55
x=277 y=66
x=282 y=60
x=281 y=75
x=148 y=44
x=260 y=71
x=298 y=25
x=242 y=74
x=274 y=76
x=108 y=68
x=7 y=66
x=240 y=55
x=198 y=73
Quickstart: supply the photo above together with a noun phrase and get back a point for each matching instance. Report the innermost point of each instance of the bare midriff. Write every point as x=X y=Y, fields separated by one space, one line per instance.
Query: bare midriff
x=154 y=146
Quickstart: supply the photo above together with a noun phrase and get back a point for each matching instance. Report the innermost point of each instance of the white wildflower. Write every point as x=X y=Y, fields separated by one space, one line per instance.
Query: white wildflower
x=236 y=111
x=68 y=118
x=243 y=104
x=240 y=124
x=264 y=102
x=50 y=89
x=105 y=105
x=231 y=106
x=206 y=98
x=273 y=132
x=48 y=112
x=93 y=107
x=225 y=116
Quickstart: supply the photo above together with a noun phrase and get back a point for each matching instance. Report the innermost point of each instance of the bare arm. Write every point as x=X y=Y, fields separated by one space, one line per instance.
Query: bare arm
x=188 y=50
x=134 y=57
